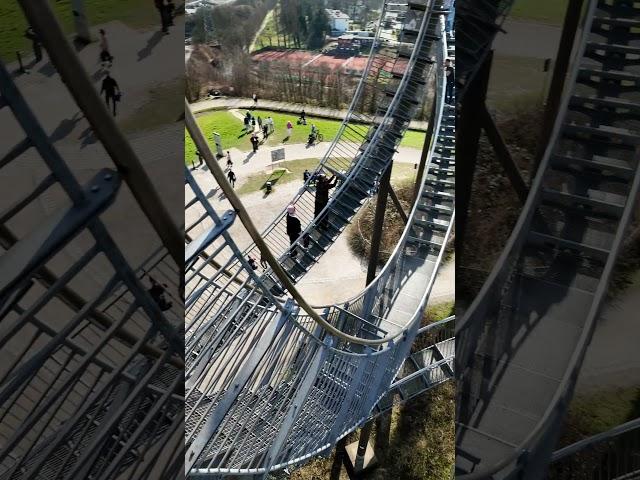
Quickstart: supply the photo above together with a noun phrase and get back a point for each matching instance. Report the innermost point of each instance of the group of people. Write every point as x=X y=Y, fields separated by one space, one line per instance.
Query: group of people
x=265 y=126
x=294 y=226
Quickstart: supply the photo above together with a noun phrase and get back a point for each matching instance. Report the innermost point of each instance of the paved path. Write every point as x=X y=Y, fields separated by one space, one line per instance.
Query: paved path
x=245 y=163
x=612 y=359
x=339 y=275
x=226 y=103
x=138 y=70
x=528 y=39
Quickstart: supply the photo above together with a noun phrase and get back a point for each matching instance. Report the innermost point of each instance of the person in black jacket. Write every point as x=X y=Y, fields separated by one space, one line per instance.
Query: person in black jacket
x=294 y=228
x=451 y=80
x=323 y=185
x=111 y=91
x=35 y=43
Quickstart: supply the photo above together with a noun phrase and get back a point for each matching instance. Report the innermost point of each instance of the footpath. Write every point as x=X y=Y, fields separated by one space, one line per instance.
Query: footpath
x=226 y=103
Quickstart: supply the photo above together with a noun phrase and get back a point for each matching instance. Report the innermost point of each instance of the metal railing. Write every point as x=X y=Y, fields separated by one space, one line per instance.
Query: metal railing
x=483 y=326
x=611 y=455
x=277 y=384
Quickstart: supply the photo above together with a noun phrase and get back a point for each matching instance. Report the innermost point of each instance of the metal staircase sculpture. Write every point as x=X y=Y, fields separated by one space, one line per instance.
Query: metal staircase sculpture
x=523 y=340
x=90 y=384
x=271 y=381
x=366 y=142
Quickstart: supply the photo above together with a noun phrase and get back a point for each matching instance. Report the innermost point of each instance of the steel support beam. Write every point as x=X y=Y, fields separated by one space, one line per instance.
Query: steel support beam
x=378 y=223
x=503 y=155
x=468 y=135
x=560 y=70
x=398 y=205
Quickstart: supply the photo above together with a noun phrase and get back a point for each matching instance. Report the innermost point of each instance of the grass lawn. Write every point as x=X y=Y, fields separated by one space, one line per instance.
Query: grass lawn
x=231 y=130
x=135 y=13
x=285 y=172
x=163 y=105
x=598 y=412
x=544 y=11
x=291 y=170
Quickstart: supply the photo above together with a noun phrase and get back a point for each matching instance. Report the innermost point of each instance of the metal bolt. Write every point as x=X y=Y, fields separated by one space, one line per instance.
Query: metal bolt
x=95 y=188
x=108 y=176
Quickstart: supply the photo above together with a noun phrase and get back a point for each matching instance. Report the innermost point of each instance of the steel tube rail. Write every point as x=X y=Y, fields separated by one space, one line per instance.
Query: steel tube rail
x=595 y=439
x=40 y=15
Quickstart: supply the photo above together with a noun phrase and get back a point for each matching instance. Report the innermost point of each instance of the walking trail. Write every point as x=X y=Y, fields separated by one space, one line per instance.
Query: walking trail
x=226 y=103
x=339 y=275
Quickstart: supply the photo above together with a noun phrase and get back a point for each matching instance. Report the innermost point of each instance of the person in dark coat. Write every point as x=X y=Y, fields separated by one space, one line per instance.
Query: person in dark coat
x=294 y=228
x=163 y=11
x=232 y=178
x=255 y=142
x=35 y=43
x=111 y=91
x=323 y=185
x=451 y=80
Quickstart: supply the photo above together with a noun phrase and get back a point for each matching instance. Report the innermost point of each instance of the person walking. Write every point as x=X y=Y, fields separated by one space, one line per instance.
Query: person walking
x=272 y=126
x=162 y=10
x=451 y=79
x=253 y=124
x=294 y=228
x=170 y=8
x=255 y=100
x=229 y=162
x=450 y=5
x=246 y=124
x=259 y=123
x=111 y=91
x=200 y=159
x=105 y=55
x=255 y=142
x=289 y=129
x=323 y=185
x=232 y=178
x=35 y=43
x=265 y=130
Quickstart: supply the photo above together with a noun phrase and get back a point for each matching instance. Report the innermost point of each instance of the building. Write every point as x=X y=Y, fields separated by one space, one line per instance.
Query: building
x=338 y=21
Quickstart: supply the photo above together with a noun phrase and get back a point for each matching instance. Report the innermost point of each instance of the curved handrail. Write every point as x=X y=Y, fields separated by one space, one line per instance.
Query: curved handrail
x=515 y=242
x=599 y=437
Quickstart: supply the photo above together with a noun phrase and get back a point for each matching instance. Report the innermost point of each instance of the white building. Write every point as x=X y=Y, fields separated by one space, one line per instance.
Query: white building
x=338 y=21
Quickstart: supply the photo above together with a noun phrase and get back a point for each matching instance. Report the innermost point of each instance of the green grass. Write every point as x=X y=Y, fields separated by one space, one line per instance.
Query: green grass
x=601 y=411
x=135 y=13
x=222 y=122
x=231 y=131
x=285 y=172
x=163 y=105
x=544 y=11
x=439 y=311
